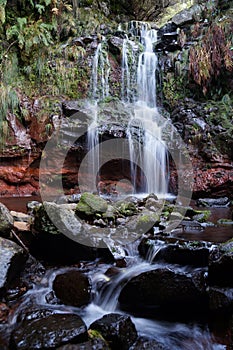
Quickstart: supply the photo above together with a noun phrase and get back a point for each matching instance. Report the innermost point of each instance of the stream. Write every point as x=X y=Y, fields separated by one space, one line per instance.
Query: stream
x=175 y=332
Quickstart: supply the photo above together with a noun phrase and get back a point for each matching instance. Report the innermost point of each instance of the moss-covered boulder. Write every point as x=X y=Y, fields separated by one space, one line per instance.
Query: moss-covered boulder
x=91 y=205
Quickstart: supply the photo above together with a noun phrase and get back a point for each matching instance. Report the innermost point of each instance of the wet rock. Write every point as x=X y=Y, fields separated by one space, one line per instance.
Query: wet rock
x=69 y=108
x=33 y=313
x=221 y=299
x=49 y=332
x=144 y=343
x=12 y=261
x=91 y=204
x=221 y=265
x=183 y=254
x=6 y=221
x=164 y=288
x=93 y=344
x=72 y=288
x=213 y=202
x=117 y=329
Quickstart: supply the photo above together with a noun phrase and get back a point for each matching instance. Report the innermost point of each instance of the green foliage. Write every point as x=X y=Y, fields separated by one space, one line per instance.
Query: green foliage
x=2 y=11
x=219 y=115
x=174 y=89
x=30 y=34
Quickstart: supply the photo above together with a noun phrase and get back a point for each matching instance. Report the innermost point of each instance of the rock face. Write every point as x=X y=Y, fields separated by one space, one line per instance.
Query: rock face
x=118 y=330
x=12 y=260
x=164 y=288
x=49 y=332
x=72 y=288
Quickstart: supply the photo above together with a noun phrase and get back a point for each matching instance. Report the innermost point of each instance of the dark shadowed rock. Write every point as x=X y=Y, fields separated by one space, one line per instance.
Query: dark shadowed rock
x=96 y=342
x=221 y=299
x=6 y=221
x=164 y=288
x=118 y=330
x=187 y=253
x=221 y=265
x=49 y=332
x=115 y=45
x=144 y=343
x=72 y=288
x=12 y=261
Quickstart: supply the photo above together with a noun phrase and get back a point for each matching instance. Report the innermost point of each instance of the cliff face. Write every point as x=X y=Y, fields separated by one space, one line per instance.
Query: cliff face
x=34 y=92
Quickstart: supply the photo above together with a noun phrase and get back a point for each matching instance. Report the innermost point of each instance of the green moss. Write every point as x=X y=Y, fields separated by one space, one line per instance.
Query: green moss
x=91 y=204
x=126 y=208
x=201 y=215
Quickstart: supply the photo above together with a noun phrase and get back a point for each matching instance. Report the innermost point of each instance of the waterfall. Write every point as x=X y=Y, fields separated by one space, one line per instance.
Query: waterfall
x=147 y=150
x=129 y=74
x=99 y=91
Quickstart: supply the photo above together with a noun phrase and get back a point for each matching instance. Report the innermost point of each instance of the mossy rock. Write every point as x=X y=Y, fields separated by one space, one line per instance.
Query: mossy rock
x=91 y=204
x=126 y=208
x=146 y=221
x=201 y=215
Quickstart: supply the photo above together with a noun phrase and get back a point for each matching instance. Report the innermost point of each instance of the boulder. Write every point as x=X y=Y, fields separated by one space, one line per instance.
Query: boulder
x=12 y=261
x=221 y=299
x=72 y=288
x=6 y=221
x=61 y=237
x=95 y=342
x=187 y=253
x=90 y=205
x=49 y=332
x=164 y=288
x=213 y=202
x=221 y=265
x=117 y=329
x=144 y=343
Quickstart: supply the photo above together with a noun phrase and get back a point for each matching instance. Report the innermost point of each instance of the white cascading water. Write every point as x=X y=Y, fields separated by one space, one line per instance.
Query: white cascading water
x=99 y=91
x=147 y=150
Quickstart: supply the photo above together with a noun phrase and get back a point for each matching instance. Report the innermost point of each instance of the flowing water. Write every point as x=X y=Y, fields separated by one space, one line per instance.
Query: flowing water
x=147 y=149
x=174 y=335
